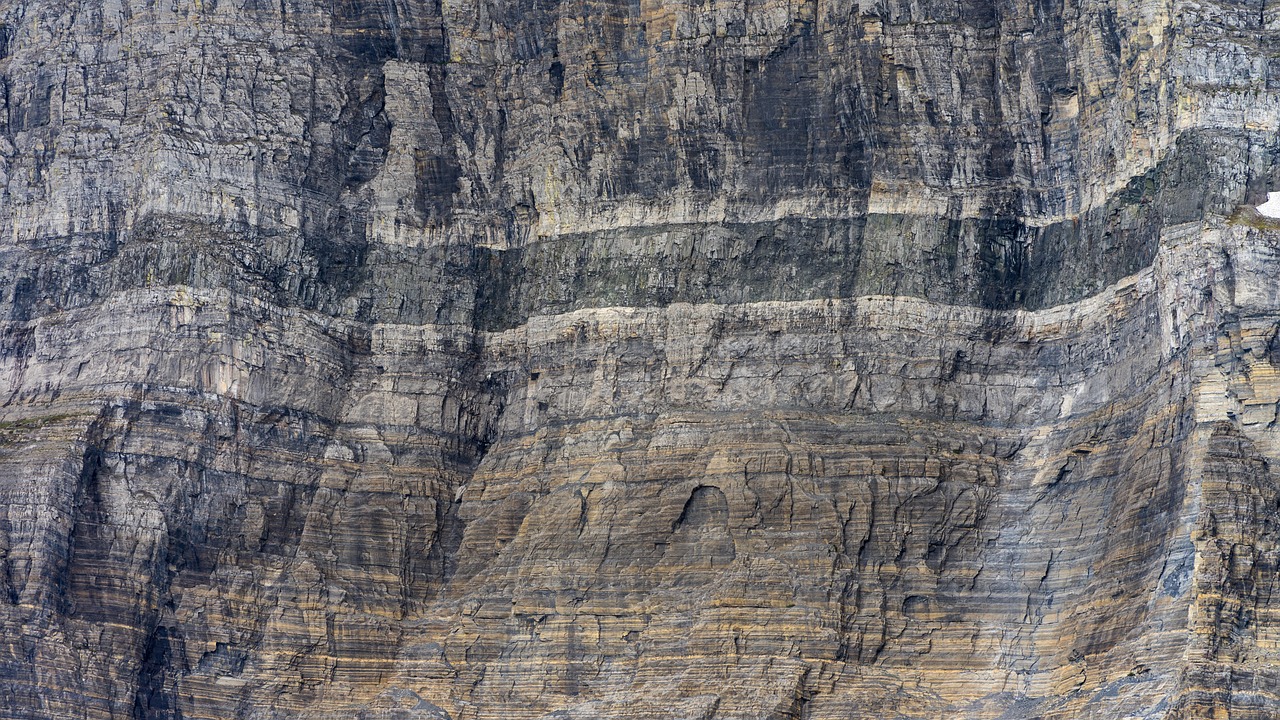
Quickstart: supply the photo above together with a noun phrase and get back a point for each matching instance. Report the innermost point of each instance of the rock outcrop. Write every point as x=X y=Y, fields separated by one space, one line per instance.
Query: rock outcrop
x=392 y=359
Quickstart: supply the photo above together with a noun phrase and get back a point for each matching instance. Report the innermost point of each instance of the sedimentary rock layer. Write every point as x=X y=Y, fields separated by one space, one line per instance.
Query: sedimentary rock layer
x=638 y=360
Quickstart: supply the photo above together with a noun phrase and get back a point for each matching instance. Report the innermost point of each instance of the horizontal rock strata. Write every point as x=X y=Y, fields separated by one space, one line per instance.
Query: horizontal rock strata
x=808 y=360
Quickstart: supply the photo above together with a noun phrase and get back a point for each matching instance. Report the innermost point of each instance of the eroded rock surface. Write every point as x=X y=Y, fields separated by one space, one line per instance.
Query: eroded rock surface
x=487 y=359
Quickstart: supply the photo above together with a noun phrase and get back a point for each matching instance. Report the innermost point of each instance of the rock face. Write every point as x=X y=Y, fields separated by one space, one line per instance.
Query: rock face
x=504 y=359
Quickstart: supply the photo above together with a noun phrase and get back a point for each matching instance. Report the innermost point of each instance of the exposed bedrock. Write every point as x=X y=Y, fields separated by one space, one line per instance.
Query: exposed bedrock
x=809 y=360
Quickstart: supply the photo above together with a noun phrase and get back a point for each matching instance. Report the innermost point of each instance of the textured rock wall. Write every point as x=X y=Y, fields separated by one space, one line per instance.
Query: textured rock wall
x=661 y=359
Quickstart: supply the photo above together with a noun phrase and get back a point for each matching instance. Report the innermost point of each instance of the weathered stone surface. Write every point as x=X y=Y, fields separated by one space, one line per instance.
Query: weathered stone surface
x=638 y=360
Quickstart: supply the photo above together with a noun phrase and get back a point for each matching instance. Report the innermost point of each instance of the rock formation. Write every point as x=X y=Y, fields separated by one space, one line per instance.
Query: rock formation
x=689 y=359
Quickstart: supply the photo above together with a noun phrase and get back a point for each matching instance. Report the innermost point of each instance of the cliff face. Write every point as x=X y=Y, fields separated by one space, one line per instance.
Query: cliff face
x=657 y=359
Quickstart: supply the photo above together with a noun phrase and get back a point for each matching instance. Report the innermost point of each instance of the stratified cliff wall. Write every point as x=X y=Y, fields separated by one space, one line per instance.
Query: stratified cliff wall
x=505 y=359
